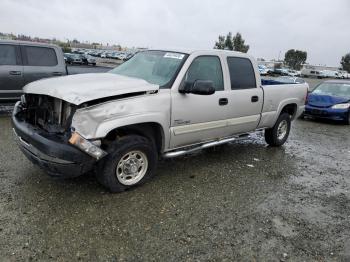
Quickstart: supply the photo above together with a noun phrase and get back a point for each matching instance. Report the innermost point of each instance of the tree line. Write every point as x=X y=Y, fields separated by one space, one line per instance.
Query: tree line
x=292 y=58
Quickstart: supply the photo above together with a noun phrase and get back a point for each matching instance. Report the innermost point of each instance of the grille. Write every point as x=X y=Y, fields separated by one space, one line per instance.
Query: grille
x=48 y=113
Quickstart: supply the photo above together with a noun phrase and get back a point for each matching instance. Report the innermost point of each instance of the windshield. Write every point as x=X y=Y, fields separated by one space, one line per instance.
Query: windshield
x=156 y=67
x=333 y=89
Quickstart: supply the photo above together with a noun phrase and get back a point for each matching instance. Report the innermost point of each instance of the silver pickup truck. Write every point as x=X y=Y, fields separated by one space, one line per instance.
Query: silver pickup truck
x=160 y=103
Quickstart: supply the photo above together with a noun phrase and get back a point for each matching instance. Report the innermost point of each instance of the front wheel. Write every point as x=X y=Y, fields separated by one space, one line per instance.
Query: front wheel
x=278 y=134
x=131 y=161
x=347 y=121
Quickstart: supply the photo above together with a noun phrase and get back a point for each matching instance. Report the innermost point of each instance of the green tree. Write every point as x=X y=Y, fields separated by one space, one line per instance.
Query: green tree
x=236 y=43
x=229 y=41
x=295 y=58
x=221 y=43
x=65 y=47
x=345 y=62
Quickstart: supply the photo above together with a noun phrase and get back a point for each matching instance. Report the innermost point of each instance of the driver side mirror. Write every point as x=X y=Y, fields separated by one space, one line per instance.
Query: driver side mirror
x=199 y=87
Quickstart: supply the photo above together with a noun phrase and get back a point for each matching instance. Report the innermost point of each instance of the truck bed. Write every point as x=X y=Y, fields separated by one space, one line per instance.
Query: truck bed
x=276 y=96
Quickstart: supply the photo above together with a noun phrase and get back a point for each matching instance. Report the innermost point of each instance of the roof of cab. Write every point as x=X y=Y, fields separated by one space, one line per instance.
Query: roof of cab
x=18 y=42
x=191 y=51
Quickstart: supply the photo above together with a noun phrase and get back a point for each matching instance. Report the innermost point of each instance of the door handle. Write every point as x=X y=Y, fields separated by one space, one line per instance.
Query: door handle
x=57 y=73
x=223 y=101
x=15 y=73
x=255 y=99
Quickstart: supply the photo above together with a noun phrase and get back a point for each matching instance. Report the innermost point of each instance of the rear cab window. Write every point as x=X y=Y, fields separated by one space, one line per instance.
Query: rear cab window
x=242 y=73
x=39 y=56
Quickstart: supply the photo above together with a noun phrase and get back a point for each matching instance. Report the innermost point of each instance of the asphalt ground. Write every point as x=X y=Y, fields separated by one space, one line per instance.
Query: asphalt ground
x=243 y=201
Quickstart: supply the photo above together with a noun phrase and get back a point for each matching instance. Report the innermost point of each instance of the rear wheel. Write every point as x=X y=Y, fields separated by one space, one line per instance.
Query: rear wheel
x=278 y=134
x=131 y=161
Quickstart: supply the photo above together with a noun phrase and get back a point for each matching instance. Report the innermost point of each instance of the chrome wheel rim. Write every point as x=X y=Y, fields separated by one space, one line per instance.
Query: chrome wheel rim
x=282 y=130
x=131 y=168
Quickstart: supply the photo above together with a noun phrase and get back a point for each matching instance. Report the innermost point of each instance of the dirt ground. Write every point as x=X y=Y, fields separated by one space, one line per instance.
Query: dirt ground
x=243 y=201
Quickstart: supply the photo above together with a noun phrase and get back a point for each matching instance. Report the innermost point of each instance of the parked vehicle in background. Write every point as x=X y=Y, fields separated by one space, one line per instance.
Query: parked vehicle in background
x=68 y=58
x=330 y=73
x=342 y=74
x=293 y=73
x=73 y=59
x=306 y=72
x=330 y=100
x=88 y=60
x=159 y=103
x=280 y=71
x=122 y=56
x=290 y=80
x=24 y=62
x=263 y=70
x=130 y=55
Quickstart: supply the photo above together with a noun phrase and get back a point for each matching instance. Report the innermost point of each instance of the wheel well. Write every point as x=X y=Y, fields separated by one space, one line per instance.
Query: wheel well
x=152 y=131
x=290 y=109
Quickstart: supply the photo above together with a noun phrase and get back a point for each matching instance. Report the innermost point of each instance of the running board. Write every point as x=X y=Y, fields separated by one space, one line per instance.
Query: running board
x=182 y=152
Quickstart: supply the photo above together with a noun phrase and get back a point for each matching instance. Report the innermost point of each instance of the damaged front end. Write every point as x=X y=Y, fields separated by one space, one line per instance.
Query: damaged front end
x=48 y=113
x=42 y=125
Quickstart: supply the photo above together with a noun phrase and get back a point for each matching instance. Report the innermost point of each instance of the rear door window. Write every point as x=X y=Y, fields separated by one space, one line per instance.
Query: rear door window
x=40 y=56
x=8 y=55
x=242 y=73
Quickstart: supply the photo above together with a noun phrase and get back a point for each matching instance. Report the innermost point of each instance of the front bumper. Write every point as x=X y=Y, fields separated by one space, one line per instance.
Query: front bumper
x=327 y=113
x=52 y=153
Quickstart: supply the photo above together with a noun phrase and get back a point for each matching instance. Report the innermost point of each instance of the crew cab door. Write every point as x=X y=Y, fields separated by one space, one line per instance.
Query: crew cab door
x=245 y=100
x=40 y=62
x=11 y=72
x=197 y=118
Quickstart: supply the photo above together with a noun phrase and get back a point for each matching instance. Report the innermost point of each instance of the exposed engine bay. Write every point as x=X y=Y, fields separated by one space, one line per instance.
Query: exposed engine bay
x=48 y=113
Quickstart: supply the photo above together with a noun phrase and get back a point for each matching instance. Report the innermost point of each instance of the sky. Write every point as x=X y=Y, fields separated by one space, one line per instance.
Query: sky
x=270 y=27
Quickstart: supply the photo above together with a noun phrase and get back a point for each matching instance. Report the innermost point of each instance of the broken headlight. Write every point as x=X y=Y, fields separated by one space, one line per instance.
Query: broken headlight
x=87 y=146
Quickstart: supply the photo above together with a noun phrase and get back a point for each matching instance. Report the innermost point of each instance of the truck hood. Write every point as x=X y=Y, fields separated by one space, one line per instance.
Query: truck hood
x=325 y=100
x=78 y=89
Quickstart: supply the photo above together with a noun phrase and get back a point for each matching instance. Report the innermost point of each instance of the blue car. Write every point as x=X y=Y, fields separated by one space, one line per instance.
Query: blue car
x=330 y=100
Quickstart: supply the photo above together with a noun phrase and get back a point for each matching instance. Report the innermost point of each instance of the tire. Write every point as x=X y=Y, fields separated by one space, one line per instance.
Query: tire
x=112 y=170
x=273 y=136
x=347 y=121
